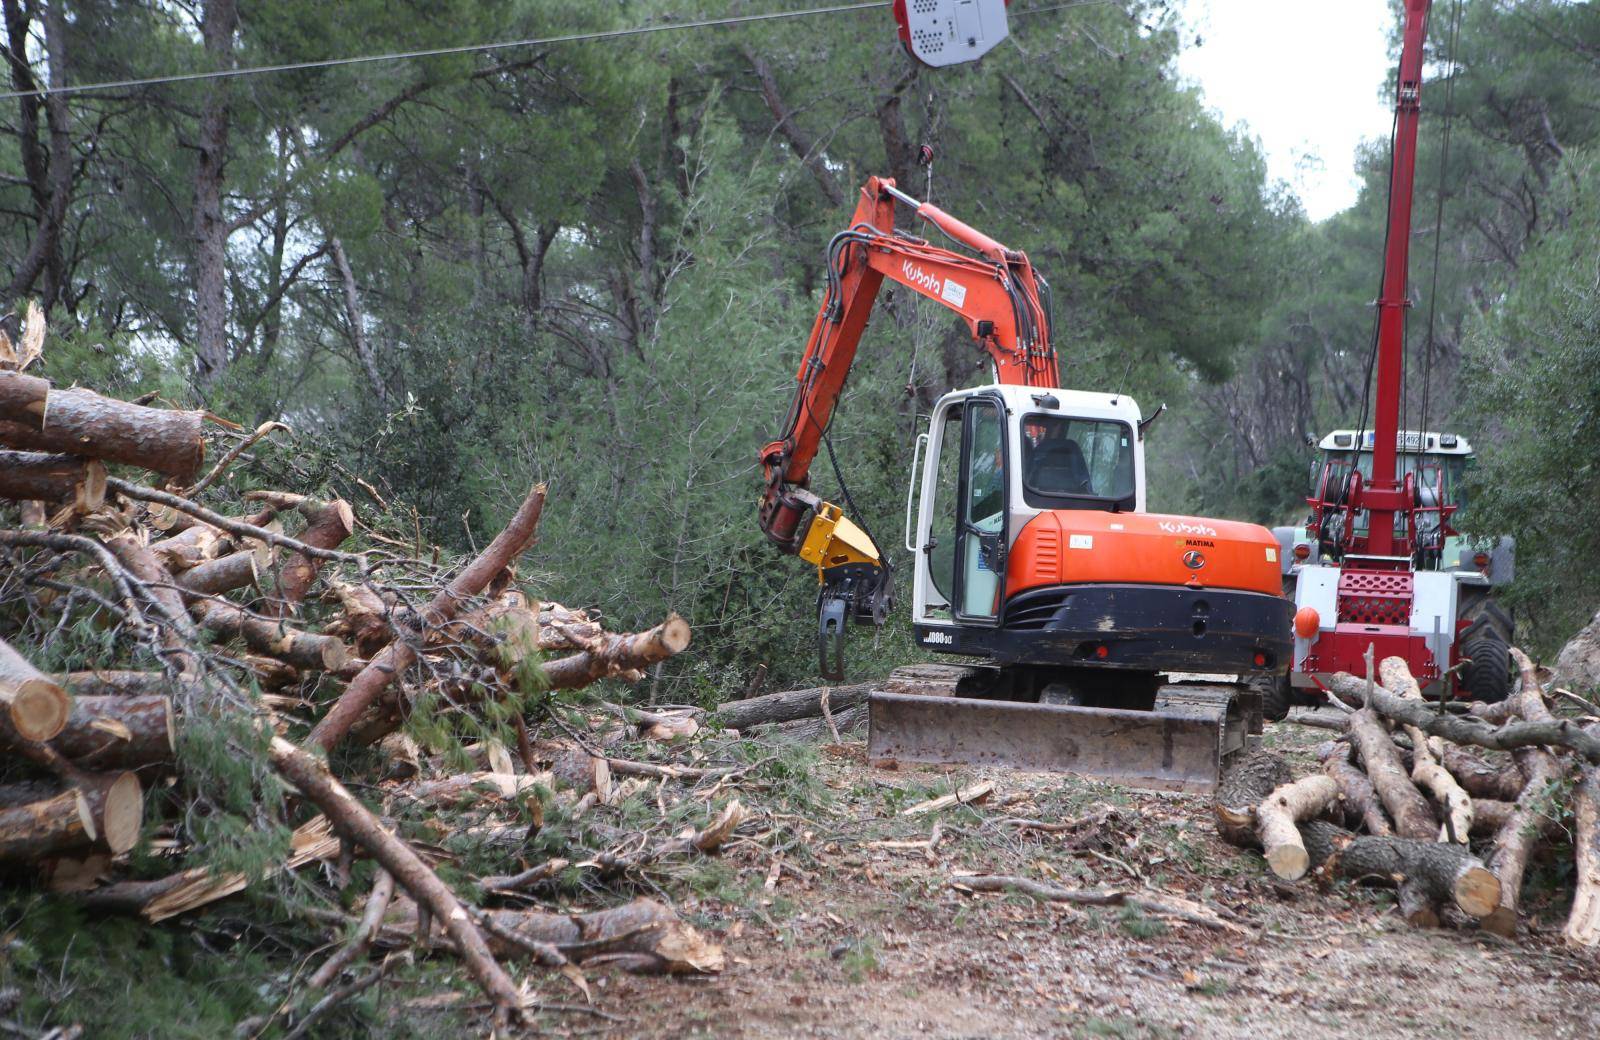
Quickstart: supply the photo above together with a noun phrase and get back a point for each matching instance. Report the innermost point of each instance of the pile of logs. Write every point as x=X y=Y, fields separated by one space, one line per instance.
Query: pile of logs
x=1446 y=807
x=282 y=611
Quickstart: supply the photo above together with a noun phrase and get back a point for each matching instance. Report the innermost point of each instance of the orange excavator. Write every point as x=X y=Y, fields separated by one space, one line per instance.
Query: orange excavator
x=1035 y=559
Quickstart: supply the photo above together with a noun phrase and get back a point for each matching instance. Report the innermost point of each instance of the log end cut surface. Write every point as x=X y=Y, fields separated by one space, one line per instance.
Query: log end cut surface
x=39 y=709
x=1477 y=891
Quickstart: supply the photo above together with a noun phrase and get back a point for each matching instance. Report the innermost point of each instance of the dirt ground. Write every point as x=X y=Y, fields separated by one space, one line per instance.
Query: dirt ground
x=849 y=937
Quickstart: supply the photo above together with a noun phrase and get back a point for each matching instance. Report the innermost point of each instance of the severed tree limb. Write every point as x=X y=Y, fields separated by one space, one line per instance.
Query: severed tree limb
x=365 y=689
x=112 y=733
x=706 y=840
x=1426 y=752
x=242 y=528
x=1278 y=814
x=233 y=453
x=1165 y=906
x=304 y=650
x=1481 y=778
x=366 y=932
x=355 y=823
x=1356 y=790
x=82 y=422
x=1413 y=817
x=1466 y=729
x=788 y=705
x=328 y=524
x=176 y=633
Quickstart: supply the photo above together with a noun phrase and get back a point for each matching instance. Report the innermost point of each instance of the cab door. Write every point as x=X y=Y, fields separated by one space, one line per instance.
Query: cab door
x=982 y=508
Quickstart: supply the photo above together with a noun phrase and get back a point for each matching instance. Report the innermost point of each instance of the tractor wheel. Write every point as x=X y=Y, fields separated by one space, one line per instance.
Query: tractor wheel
x=1276 y=695
x=1488 y=677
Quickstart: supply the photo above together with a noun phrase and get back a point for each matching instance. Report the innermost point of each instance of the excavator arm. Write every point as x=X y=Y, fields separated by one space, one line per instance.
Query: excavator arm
x=1005 y=305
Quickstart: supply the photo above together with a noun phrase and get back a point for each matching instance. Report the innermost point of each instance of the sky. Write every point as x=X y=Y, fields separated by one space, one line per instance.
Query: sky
x=1305 y=76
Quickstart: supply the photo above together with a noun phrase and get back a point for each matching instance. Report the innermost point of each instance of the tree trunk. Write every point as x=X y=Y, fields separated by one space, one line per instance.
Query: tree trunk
x=103 y=809
x=224 y=574
x=1241 y=791
x=1278 y=814
x=1445 y=871
x=356 y=824
x=1426 y=752
x=120 y=732
x=304 y=650
x=789 y=705
x=1483 y=779
x=218 y=20
x=1359 y=796
x=1583 y=924
x=622 y=656
x=49 y=175
x=35 y=706
x=1413 y=817
x=81 y=422
x=59 y=479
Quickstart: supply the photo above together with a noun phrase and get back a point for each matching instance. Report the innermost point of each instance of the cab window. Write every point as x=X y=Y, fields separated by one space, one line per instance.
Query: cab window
x=1072 y=463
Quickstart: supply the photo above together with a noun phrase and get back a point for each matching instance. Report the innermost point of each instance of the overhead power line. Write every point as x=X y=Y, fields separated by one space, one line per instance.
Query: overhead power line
x=478 y=48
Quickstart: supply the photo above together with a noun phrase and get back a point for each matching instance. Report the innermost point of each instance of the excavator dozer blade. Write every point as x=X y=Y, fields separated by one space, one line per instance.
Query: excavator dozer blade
x=1180 y=745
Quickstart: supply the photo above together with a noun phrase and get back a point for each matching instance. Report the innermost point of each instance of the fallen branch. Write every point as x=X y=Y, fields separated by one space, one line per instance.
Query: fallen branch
x=1278 y=814
x=1165 y=906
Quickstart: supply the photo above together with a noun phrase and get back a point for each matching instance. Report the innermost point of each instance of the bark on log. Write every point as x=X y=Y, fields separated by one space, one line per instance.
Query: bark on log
x=328 y=524
x=224 y=574
x=1241 y=790
x=619 y=656
x=65 y=479
x=1481 y=778
x=1413 y=817
x=103 y=809
x=1280 y=812
x=353 y=822
x=1355 y=789
x=365 y=689
x=1426 y=753
x=119 y=732
x=81 y=422
x=1583 y=923
x=190 y=547
x=366 y=616
x=23 y=399
x=1517 y=836
x=35 y=706
x=304 y=650
x=1446 y=872
x=789 y=705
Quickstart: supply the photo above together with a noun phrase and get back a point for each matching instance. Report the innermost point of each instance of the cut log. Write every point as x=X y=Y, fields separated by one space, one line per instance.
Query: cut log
x=64 y=479
x=789 y=705
x=119 y=732
x=1413 y=817
x=224 y=574
x=1426 y=752
x=81 y=422
x=328 y=524
x=356 y=824
x=115 y=803
x=1445 y=872
x=304 y=650
x=190 y=547
x=1242 y=788
x=1583 y=923
x=1516 y=838
x=23 y=399
x=365 y=689
x=1356 y=792
x=61 y=823
x=620 y=655
x=35 y=706
x=1280 y=812
x=366 y=616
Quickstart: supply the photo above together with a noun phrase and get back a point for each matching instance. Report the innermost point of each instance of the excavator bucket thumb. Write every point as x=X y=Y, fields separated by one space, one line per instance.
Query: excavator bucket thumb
x=1179 y=745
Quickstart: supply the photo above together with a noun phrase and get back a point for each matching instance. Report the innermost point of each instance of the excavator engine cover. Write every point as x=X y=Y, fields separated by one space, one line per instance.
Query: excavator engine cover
x=1179 y=744
x=949 y=32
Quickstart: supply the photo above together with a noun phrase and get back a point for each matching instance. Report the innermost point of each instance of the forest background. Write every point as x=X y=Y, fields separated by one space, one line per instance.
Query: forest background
x=596 y=263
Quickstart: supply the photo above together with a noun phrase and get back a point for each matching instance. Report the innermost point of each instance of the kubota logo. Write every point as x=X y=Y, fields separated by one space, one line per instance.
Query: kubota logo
x=1194 y=559
x=1178 y=527
x=916 y=274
